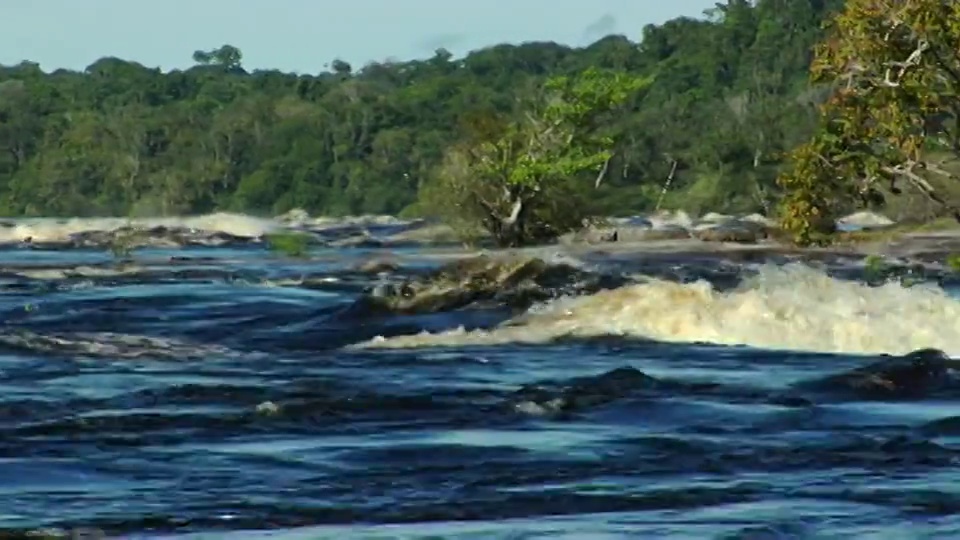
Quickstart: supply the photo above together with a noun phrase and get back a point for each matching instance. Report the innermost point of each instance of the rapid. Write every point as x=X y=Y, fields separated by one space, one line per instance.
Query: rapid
x=212 y=388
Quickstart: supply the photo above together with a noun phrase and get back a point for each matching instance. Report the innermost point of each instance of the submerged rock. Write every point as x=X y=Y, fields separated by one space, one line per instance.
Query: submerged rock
x=582 y=393
x=377 y=266
x=914 y=375
x=513 y=281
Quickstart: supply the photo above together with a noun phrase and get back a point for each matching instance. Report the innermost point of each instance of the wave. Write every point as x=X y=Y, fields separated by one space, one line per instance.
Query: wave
x=110 y=345
x=49 y=230
x=52 y=230
x=790 y=307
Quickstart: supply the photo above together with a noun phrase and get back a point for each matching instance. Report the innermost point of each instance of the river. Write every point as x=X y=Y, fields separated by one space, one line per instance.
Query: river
x=211 y=393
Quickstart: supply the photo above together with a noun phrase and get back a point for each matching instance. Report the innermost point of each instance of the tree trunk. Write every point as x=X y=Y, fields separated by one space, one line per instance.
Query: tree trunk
x=508 y=231
x=511 y=231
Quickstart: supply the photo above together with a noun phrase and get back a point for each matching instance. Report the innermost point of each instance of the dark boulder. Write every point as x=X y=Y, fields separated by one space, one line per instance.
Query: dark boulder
x=583 y=393
x=914 y=375
x=516 y=282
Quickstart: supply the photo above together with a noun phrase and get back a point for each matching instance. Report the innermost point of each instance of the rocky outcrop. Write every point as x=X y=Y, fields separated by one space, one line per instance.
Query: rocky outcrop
x=914 y=375
x=864 y=220
x=582 y=393
x=740 y=231
x=663 y=226
x=627 y=233
x=516 y=282
x=377 y=266
x=125 y=238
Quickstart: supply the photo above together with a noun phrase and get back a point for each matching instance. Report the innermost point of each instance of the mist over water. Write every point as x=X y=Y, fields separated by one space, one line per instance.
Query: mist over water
x=224 y=391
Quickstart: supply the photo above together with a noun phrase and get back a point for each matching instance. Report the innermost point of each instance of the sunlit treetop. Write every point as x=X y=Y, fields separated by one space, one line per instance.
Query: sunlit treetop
x=894 y=69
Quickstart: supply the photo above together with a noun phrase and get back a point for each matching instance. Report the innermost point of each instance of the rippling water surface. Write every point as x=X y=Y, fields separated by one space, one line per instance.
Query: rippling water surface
x=218 y=393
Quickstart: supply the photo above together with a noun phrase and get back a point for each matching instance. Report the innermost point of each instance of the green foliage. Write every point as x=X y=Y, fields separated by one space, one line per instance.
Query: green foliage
x=520 y=179
x=875 y=267
x=725 y=98
x=894 y=72
x=878 y=271
x=953 y=262
x=290 y=244
x=123 y=243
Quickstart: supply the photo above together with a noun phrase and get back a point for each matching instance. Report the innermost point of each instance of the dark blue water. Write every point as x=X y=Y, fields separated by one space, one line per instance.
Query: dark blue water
x=212 y=394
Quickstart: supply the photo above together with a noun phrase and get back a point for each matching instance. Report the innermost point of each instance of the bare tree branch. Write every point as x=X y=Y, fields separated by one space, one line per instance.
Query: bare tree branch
x=906 y=170
x=666 y=184
x=602 y=174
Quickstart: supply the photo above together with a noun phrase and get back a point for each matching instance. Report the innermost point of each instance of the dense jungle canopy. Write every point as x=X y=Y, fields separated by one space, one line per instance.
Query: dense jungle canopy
x=729 y=95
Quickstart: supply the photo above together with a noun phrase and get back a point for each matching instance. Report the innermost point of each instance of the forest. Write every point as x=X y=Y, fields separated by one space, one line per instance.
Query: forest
x=729 y=95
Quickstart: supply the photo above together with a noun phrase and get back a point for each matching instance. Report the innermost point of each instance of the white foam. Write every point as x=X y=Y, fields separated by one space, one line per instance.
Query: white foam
x=792 y=307
x=60 y=229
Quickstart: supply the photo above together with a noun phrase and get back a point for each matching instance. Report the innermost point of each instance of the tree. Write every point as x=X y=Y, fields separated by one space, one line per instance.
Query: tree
x=514 y=178
x=226 y=56
x=894 y=70
x=120 y=138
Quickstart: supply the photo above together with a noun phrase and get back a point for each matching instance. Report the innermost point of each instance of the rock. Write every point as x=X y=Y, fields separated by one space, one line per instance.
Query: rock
x=515 y=282
x=714 y=217
x=663 y=219
x=628 y=233
x=665 y=232
x=362 y=240
x=582 y=393
x=377 y=266
x=268 y=408
x=591 y=235
x=739 y=231
x=383 y=290
x=159 y=236
x=864 y=220
x=914 y=375
x=426 y=234
x=760 y=220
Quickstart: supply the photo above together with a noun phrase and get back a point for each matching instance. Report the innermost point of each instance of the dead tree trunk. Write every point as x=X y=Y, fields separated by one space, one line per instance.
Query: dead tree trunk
x=666 y=184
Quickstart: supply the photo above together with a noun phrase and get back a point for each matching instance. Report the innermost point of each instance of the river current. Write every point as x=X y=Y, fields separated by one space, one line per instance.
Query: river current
x=234 y=393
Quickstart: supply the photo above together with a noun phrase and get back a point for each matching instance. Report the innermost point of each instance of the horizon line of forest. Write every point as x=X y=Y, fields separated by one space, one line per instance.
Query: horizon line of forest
x=699 y=114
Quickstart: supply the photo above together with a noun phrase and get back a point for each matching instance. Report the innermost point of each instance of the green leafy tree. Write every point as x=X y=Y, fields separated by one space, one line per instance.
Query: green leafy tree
x=723 y=102
x=894 y=67
x=517 y=180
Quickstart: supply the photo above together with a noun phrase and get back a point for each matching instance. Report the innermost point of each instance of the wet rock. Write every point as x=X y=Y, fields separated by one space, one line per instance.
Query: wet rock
x=361 y=240
x=864 y=220
x=914 y=375
x=513 y=281
x=268 y=408
x=421 y=233
x=107 y=345
x=627 y=233
x=582 y=393
x=126 y=238
x=738 y=231
x=594 y=236
x=949 y=426
x=183 y=259
x=377 y=266
x=665 y=232
x=383 y=290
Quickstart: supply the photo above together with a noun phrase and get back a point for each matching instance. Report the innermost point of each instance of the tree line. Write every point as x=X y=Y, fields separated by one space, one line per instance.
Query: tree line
x=728 y=94
x=799 y=109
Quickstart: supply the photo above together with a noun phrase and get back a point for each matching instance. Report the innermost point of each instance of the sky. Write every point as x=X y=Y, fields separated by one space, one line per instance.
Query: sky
x=306 y=35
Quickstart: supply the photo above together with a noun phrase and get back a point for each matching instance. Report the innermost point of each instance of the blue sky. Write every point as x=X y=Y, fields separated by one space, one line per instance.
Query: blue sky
x=304 y=35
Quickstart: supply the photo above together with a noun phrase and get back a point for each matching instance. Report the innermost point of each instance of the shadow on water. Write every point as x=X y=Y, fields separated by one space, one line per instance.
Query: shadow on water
x=211 y=395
